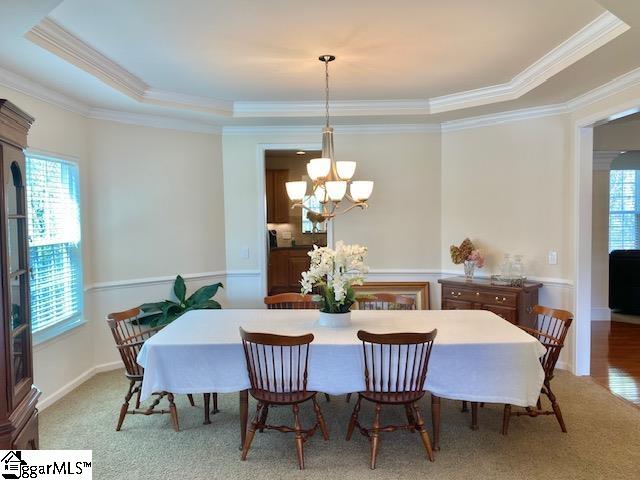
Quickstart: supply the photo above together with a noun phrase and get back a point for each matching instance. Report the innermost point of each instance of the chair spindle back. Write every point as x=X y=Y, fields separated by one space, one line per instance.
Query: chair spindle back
x=277 y=363
x=386 y=301
x=289 y=301
x=396 y=362
x=129 y=336
x=552 y=328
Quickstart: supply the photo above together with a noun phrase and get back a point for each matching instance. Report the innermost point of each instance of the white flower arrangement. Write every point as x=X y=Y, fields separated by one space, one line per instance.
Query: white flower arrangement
x=335 y=272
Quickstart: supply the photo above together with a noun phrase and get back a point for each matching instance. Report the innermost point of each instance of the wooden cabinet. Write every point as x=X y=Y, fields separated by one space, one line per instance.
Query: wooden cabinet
x=277 y=198
x=285 y=269
x=514 y=304
x=18 y=414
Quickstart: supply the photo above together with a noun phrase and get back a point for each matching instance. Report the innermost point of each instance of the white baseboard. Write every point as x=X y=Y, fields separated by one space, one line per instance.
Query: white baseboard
x=49 y=400
x=600 y=313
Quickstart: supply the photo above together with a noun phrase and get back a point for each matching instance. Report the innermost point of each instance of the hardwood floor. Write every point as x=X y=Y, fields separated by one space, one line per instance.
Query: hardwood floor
x=615 y=358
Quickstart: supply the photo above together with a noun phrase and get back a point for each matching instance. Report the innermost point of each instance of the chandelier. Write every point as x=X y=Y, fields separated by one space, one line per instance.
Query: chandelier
x=330 y=179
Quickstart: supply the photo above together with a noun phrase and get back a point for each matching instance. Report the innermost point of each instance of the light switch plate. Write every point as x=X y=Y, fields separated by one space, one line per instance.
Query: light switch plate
x=552 y=257
x=244 y=252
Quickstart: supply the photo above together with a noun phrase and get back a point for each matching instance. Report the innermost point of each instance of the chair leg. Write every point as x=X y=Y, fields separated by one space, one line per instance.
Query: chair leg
x=190 y=397
x=138 y=398
x=506 y=416
x=348 y=397
x=354 y=418
x=206 y=399
x=174 y=412
x=251 y=432
x=464 y=406
x=125 y=406
x=474 y=415
x=423 y=432
x=375 y=436
x=556 y=408
x=263 y=417
x=215 y=403
x=410 y=418
x=299 y=439
x=320 y=419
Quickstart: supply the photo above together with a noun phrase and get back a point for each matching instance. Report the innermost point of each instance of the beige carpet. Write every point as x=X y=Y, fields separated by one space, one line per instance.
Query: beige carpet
x=603 y=440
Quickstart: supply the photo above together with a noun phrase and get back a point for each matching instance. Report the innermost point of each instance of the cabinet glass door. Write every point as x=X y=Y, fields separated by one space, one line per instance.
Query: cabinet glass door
x=17 y=271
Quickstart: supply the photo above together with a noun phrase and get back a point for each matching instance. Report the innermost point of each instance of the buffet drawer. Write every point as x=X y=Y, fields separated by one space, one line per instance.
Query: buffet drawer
x=506 y=299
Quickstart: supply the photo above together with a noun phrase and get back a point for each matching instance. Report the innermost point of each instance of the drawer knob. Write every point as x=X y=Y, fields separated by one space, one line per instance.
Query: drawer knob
x=501 y=300
x=456 y=294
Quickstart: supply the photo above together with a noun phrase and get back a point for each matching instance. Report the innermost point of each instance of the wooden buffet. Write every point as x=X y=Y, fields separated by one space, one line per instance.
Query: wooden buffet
x=514 y=304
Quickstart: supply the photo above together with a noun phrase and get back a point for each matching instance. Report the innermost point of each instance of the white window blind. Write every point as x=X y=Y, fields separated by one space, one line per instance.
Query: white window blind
x=624 y=210
x=53 y=200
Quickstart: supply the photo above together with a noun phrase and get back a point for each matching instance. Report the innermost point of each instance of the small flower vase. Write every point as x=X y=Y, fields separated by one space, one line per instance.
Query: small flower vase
x=469 y=270
x=334 y=320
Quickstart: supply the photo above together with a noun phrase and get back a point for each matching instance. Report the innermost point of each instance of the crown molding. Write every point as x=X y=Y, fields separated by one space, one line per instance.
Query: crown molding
x=377 y=129
x=600 y=31
x=59 y=41
x=192 y=102
x=618 y=84
x=339 y=108
x=22 y=84
x=155 y=121
x=56 y=39
x=504 y=117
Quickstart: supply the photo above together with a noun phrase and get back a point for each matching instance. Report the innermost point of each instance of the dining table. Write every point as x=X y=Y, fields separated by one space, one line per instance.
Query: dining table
x=477 y=356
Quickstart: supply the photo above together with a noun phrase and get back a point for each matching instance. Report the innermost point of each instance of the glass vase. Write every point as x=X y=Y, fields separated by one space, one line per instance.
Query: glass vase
x=469 y=270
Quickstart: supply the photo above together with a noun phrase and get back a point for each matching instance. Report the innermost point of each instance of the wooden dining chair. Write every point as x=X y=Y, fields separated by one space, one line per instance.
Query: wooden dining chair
x=129 y=336
x=395 y=370
x=288 y=301
x=551 y=331
x=277 y=367
x=385 y=301
x=292 y=301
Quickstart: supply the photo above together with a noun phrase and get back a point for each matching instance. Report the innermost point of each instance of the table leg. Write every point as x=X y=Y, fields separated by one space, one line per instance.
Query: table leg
x=435 y=420
x=474 y=415
x=207 y=399
x=244 y=414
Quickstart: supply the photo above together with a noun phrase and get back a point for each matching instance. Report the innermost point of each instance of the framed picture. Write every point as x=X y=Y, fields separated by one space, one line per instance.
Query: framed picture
x=419 y=291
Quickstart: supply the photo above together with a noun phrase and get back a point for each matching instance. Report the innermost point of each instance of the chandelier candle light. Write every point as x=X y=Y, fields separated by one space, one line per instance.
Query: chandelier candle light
x=330 y=178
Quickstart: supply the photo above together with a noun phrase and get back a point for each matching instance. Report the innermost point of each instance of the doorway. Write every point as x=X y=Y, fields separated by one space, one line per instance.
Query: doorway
x=291 y=232
x=615 y=260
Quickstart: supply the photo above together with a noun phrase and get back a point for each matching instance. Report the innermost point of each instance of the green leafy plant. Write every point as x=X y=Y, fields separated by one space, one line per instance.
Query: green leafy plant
x=162 y=313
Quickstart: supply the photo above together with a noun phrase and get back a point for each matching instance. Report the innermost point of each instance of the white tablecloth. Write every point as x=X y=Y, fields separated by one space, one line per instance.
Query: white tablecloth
x=476 y=356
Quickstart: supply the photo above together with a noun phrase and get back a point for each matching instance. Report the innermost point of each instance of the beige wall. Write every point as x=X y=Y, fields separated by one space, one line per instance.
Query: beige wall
x=400 y=232
x=158 y=196
x=508 y=187
x=401 y=225
x=600 y=246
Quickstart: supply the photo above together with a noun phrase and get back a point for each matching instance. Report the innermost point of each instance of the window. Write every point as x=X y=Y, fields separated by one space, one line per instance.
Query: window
x=53 y=201
x=624 y=210
x=312 y=203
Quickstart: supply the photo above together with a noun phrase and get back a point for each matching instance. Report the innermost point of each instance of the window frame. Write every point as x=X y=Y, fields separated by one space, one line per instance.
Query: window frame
x=63 y=326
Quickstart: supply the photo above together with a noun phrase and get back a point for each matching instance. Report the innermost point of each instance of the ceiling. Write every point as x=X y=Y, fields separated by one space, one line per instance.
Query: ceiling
x=254 y=62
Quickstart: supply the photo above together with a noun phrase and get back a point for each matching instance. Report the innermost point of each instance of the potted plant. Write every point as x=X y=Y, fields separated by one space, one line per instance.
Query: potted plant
x=334 y=273
x=468 y=255
x=162 y=313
